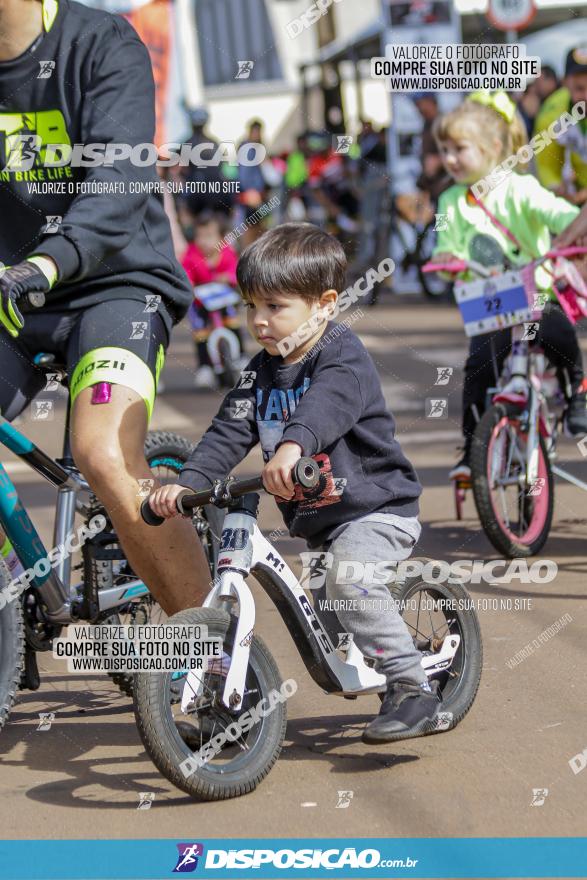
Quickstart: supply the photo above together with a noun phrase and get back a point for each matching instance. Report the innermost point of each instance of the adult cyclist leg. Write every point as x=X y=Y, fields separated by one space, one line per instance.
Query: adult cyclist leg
x=108 y=441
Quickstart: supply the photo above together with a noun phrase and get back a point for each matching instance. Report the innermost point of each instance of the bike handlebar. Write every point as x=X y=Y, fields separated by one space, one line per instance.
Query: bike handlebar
x=456 y=266
x=305 y=473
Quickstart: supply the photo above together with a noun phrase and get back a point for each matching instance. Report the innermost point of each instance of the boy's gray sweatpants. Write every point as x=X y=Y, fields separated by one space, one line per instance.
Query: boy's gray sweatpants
x=377 y=627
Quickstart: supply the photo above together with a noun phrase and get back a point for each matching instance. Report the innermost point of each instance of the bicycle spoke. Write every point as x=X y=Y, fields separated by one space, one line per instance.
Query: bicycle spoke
x=504 y=506
x=511 y=450
x=431 y=623
x=497 y=459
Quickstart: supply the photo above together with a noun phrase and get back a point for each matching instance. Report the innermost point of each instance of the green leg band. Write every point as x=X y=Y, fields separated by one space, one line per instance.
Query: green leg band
x=159 y=364
x=118 y=366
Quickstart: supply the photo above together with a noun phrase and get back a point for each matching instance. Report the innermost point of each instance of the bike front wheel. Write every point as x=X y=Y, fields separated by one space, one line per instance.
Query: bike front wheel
x=516 y=516
x=242 y=745
x=11 y=649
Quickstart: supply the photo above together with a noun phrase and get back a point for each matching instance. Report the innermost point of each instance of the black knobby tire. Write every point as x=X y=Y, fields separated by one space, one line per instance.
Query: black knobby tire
x=503 y=542
x=460 y=683
x=164 y=443
x=167 y=749
x=433 y=285
x=230 y=371
x=168 y=446
x=12 y=645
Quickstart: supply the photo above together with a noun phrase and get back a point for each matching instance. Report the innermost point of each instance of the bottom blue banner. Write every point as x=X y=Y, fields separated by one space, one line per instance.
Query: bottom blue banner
x=272 y=858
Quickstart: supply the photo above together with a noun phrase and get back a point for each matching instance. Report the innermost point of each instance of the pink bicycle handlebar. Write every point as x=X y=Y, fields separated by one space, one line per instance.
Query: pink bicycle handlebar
x=453 y=266
x=571 y=251
x=462 y=265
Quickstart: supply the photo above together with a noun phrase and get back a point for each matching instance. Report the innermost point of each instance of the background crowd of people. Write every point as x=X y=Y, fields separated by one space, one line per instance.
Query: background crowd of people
x=343 y=184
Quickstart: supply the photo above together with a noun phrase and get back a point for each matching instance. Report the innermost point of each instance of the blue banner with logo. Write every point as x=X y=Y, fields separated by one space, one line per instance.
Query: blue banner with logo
x=303 y=858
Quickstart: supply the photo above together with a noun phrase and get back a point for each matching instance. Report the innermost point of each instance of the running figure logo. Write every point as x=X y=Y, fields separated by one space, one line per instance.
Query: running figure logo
x=43 y=410
x=52 y=383
x=47 y=68
x=537 y=486
x=245 y=68
x=53 y=223
x=539 y=795
x=436 y=408
x=146 y=487
x=314 y=568
x=246 y=379
x=440 y=222
x=139 y=328
x=153 y=302
x=24 y=149
x=187 y=860
x=343 y=143
x=444 y=374
x=338 y=485
x=530 y=331
x=241 y=408
x=46 y=719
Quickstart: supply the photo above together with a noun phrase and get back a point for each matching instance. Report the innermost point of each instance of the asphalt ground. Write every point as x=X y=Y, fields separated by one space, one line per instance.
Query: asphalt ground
x=83 y=777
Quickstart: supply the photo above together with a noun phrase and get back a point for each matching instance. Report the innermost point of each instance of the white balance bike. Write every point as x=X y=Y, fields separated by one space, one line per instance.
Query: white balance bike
x=215 y=734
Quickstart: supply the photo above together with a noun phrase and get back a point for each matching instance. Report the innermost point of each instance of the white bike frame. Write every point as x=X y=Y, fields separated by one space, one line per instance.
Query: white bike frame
x=245 y=550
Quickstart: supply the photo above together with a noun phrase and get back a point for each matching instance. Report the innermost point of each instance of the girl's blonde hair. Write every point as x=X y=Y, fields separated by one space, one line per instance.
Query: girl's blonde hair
x=484 y=123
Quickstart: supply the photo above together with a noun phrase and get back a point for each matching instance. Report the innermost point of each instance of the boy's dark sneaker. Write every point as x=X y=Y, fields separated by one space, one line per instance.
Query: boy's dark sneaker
x=576 y=414
x=407 y=711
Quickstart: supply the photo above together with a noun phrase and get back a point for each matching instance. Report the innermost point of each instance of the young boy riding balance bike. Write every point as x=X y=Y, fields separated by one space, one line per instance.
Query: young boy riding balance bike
x=322 y=398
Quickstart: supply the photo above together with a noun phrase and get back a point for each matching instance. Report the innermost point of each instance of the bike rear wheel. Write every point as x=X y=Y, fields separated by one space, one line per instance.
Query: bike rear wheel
x=434 y=611
x=433 y=285
x=515 y=517
x=12 y=645
x=237 y=767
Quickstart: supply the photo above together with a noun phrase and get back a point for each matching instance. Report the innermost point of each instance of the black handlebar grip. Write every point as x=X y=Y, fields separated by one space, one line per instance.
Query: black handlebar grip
x=149 y=516
x=306 y=473
x=37 y=300
x=185 y=493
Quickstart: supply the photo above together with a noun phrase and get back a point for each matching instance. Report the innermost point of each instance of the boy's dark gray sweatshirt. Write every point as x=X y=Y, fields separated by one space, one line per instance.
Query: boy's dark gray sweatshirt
x=332 y=405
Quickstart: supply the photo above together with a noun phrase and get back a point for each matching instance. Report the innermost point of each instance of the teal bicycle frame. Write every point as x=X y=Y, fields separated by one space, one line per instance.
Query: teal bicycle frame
x=54 y=588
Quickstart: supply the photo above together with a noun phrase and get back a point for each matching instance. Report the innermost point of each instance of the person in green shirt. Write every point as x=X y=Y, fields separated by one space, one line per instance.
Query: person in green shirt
x=512 y=222
x=296 y=173
x=562 y=165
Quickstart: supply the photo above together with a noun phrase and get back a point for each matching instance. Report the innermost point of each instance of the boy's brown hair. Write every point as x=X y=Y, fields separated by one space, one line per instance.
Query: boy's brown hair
x=294 y=258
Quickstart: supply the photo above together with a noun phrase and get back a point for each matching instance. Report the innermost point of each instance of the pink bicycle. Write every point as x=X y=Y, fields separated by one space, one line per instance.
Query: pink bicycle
x=514 y=445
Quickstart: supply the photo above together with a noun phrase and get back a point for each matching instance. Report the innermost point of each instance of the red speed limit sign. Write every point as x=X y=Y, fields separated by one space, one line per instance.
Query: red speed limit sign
x=512 y=15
